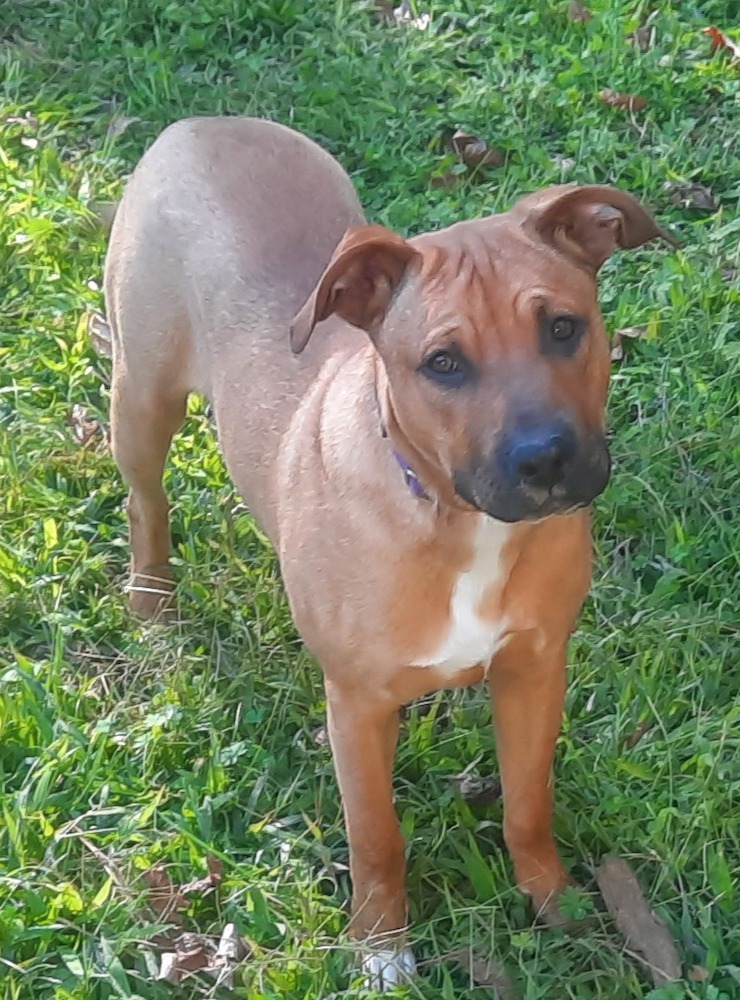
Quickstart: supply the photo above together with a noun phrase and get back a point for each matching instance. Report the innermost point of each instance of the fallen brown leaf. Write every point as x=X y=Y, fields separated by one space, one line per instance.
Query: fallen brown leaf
x=643 y=37
x=218 y=957
x=26 y=119
x=577 y=12
x=192 y=953
x=698 y=974
x=693 y=196
x=629 y=332
x=632 y=739
x=384 y=11
x=475 y=152
x=640 y=38
x=644 y=933
x=164 y=897
x=483 y=972
x=231 y=947
x=99 y=333
x=405 y=15
x=723 y=42
x=476 y=791
x=320 y=736
x=563 y=162
x=446 y=179
x=626 y=102
x=215 y=868
x=199 y=886
x=84 y=427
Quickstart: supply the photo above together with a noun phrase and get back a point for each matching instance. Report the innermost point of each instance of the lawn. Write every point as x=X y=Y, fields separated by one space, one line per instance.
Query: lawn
x=127 y=746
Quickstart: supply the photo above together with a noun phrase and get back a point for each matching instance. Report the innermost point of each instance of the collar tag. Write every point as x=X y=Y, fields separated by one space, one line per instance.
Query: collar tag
x=412 y=480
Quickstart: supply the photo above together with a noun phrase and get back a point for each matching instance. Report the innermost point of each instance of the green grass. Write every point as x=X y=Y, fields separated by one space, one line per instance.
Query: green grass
x=124 y=745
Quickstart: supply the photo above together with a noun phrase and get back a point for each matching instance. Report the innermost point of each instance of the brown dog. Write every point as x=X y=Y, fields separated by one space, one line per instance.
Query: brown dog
x=426 y=486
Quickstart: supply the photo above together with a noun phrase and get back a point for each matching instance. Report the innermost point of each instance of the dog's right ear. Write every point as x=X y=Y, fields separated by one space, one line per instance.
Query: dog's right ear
x=358 y=284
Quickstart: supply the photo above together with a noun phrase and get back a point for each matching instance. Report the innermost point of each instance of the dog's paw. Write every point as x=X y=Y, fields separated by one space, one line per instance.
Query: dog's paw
x=387 y=967
x=150 y=594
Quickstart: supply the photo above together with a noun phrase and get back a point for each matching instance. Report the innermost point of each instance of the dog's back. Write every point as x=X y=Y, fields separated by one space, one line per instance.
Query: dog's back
x=222 y=233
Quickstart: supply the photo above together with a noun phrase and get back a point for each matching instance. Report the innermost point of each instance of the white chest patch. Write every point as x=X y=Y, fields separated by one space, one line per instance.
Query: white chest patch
x=470 y=639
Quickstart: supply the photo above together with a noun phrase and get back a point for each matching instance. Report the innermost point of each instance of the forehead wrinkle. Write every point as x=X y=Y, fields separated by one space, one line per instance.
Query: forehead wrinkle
x=478 y=274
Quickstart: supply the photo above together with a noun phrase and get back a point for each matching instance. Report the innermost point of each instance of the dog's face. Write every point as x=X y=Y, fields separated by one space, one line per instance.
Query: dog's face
x=494 y=353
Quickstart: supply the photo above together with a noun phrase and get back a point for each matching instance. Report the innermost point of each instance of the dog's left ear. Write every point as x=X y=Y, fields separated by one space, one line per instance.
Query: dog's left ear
x=589 y=222
x=358 y=284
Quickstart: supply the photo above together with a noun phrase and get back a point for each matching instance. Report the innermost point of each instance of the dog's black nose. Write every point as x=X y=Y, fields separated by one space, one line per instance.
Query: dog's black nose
x=538 y=456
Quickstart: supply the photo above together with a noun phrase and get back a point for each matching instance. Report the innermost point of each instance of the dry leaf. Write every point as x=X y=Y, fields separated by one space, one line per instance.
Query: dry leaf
x=164 y=897
x=722 y=41
x=483 y=972
x=644 y=933
x=25 y=119
x=626 y=102
x=84 y=428
x=640 y=38
x=100 y=333
x=446 y=179
x=384 y=11
x=577 y=12
x=193 y=953
x=476 y=791
x=629 y=332
x=633 y=738
x=563 y=162
x=693 y=196
x=643 y=38
x=475 y=152
x=405 y=15
x=215 y=868
x=698 y=974
x=204 y=885
x=230 y=951
x=198 y=886
x=320 y=736
x=231 y=947
x=119 y=123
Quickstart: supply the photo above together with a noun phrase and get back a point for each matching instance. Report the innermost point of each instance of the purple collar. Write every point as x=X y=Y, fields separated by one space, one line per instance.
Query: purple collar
x=412 y=480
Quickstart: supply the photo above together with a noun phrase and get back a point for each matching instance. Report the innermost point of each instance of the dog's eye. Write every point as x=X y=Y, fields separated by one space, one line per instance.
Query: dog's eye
x=442 y=363
x=563 y=328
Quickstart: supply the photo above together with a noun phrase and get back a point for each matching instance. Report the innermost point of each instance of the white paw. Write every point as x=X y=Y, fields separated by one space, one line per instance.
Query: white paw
x=387 y=967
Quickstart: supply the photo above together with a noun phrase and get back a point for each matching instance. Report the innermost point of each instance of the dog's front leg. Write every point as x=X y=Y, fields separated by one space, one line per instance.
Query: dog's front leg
x=528 y=690
x=363 y=730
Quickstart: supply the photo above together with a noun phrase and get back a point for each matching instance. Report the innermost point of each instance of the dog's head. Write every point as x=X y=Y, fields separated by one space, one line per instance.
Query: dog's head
x=494 y=357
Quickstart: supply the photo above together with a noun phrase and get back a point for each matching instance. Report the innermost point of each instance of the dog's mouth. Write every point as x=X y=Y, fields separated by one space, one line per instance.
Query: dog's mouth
x=483 y=488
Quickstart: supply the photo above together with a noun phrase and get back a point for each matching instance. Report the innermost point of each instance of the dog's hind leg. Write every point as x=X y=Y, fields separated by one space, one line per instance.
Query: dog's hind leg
x=144 y=420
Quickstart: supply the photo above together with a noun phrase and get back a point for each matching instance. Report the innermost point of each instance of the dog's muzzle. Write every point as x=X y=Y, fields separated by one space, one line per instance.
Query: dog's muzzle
x=538 y=469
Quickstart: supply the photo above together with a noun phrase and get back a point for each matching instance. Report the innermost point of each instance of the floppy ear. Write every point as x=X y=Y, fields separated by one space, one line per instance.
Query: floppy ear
x=589 y=222
x=358 y=284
